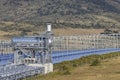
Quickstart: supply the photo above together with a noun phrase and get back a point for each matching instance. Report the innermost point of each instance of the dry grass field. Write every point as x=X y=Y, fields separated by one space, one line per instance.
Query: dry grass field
x=57 y=32
x=76 y=31
x=6 y=35
x=107 y=70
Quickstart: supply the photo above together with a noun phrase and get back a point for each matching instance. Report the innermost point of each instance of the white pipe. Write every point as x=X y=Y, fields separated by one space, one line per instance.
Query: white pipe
x=49 y=27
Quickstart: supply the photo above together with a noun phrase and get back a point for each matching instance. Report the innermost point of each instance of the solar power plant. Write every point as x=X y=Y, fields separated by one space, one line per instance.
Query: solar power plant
x=73 y=45
x=64 y=48
x=13 y=72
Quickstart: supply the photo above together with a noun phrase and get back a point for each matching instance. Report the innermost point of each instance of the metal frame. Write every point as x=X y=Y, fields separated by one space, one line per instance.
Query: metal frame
x=66 y=47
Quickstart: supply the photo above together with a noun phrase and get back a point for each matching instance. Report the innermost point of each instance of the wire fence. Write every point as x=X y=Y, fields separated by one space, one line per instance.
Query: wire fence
x=85 y=42
x=73 y=47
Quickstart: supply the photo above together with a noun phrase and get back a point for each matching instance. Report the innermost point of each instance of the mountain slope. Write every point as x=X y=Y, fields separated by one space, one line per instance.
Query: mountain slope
x=63 y=13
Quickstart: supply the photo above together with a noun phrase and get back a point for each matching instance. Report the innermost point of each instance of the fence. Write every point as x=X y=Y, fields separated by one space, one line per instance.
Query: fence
x=71 y=47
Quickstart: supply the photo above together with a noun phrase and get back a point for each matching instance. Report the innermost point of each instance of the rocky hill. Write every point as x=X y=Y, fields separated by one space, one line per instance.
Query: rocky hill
x=63 y=13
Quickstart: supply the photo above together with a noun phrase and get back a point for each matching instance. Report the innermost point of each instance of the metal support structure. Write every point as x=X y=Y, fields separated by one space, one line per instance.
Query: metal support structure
x=86 y=42
x=32 y=55
x=36 y=51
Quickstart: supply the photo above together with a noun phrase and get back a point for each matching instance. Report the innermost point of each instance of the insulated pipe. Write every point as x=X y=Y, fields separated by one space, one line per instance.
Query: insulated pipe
x=49 y=27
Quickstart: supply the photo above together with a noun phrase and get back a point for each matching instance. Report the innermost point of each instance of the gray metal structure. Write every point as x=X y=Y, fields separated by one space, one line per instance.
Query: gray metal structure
x=15 y=72
x=32 y=55
x=86 y=42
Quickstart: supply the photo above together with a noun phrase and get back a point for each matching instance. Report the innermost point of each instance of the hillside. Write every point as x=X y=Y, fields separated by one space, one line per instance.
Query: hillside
x=32 y=15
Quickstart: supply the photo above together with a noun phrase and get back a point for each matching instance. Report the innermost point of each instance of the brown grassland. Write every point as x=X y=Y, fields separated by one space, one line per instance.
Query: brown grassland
x=107 y=70
x=77 y=31
x=57 y=32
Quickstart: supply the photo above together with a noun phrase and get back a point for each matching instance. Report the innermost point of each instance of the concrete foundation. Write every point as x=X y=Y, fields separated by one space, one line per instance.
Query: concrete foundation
x=48 y=67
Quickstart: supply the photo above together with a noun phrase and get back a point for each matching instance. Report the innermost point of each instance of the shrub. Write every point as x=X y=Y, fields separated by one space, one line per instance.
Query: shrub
x=65 y=68
x=96 y=62
x=23 y=33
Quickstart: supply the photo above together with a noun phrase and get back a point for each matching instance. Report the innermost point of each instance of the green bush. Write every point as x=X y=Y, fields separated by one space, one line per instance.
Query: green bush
x=65 y=68
x=67 y=72
x=96 y=62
